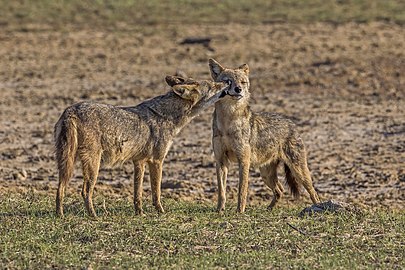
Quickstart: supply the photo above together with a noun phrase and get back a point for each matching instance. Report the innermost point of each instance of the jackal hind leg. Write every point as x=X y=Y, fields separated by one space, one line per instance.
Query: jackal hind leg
x=308 y=184
x=300 y=171
x=90 y=166
x=269 y=175
x=59 y=197
x=84 y=189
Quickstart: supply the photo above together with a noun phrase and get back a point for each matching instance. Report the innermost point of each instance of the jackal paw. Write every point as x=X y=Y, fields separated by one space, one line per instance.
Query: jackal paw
x=160 y=209
x=220 y=208
x=93 y=216
x=240 y=210
x=139 y=212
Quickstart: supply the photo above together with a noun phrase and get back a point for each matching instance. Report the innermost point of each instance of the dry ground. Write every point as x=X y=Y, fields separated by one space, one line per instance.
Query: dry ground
x=342 y=84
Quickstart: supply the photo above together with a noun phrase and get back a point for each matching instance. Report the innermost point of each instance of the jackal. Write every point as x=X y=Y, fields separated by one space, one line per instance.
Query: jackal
x=254 y=139
x=97 y=133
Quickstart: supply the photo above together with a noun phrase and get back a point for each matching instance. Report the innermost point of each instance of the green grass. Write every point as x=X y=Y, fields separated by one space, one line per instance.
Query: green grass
x=112 y=13
x=193 y=235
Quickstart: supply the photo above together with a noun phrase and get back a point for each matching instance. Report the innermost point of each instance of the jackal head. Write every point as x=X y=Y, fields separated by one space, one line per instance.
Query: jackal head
x=200 y=94
x=237 y=79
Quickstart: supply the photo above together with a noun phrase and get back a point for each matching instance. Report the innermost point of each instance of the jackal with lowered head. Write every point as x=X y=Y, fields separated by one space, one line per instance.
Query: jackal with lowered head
x=254 y=139
x=96 y=133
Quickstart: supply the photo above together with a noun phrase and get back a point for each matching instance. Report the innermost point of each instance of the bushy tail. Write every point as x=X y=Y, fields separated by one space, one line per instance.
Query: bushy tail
x=66 y=148
x=292 y=182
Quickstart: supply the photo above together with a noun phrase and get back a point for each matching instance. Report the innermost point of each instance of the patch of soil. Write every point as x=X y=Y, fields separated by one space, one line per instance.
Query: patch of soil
x=342 y=84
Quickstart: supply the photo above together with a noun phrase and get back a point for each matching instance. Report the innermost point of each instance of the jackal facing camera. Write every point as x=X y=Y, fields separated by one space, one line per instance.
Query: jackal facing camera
x=261 y=140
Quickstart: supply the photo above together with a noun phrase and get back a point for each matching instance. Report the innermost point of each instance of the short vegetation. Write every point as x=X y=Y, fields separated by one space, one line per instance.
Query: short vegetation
x=193 y=235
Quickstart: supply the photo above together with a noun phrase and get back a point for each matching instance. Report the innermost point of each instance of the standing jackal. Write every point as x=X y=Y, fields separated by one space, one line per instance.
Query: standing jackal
x=257 y=139
x=96 y=133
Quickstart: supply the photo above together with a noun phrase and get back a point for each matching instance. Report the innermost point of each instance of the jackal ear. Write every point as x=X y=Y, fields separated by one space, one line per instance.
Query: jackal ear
x=186 y=91
x=244 y=68
x=174 y=80
x=215 y=68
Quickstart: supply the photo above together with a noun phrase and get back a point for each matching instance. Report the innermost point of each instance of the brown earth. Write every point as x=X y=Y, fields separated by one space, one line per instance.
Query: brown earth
x=342 y=84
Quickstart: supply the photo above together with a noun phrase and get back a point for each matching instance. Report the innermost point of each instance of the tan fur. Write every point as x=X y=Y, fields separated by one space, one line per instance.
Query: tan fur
x=95 y=133
x=254 y=139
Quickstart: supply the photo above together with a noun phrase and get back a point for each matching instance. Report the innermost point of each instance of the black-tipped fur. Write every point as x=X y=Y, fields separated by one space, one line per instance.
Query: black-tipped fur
x=291 y=182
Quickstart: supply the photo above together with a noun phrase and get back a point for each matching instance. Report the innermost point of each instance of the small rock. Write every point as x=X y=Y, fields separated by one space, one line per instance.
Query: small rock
x=328 y=206
x=20 y=175
x=24 y=173
x=172 y=185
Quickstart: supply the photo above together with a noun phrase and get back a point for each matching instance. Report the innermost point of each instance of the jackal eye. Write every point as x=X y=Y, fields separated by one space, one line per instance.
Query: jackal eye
x=244 y=82
x=228 y=82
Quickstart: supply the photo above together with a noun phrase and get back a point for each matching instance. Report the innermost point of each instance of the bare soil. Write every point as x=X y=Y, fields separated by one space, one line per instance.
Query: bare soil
x=342 y=84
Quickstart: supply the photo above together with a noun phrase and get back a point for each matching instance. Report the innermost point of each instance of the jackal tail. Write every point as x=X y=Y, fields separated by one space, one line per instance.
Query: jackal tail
x=292 y=182
x=66 y=143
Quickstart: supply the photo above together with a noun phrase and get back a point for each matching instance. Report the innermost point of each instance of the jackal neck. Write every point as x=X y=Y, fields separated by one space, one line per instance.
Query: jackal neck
x=170 y=108
x=233 y=109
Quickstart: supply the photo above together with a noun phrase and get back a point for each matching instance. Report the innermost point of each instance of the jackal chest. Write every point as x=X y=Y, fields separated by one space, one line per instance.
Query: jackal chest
x=232 y=138
x=235 y=131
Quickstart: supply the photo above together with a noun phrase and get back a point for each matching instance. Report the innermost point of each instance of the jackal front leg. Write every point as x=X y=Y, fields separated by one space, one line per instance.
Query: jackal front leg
x=244 y=164
x=222 y=172
x=155 y=170
x=139 y=169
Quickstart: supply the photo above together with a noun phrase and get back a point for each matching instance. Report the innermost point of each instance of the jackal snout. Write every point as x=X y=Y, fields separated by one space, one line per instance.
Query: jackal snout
x=237 y=79
x=204 y=92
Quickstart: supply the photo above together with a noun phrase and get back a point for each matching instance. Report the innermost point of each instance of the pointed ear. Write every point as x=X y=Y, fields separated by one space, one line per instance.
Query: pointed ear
x=244 y=68
x=186 y=91
x=215 y=68
x=174 y=80
x=180 y=73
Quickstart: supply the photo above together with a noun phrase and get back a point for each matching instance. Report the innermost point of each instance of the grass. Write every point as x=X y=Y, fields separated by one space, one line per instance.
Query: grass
x=113 y=13
x=193 y=235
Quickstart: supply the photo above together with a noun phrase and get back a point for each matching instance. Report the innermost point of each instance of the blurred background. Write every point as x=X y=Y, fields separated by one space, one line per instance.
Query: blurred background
x=335 y=66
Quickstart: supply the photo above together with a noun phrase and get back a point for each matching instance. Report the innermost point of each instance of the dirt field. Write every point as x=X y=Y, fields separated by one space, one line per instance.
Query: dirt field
x=344 y=86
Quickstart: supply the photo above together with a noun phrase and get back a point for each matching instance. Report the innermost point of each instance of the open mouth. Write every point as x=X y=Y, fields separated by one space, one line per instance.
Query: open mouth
x=234 y=96
x=226 y=93
x=237 y=97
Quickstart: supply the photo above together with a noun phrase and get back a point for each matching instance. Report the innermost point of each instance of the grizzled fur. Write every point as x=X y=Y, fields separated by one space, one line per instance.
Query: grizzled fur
x=98 y=133
x=254 y=139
